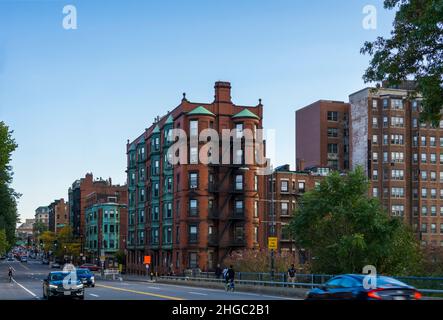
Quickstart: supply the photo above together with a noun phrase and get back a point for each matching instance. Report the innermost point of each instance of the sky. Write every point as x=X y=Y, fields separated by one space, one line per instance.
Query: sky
x=74 y=96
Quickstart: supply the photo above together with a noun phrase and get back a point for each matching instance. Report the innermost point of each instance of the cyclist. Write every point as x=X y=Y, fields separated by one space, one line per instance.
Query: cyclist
x=230 y=275
x=10 y=273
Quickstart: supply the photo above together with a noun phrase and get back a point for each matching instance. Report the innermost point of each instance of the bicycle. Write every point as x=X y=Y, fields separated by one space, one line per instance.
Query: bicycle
x=230 y=285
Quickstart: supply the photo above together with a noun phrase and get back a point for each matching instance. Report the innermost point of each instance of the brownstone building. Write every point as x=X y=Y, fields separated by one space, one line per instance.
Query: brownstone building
x=284 y=189
x=322 y=135
x=58 y=215
x=192 y=215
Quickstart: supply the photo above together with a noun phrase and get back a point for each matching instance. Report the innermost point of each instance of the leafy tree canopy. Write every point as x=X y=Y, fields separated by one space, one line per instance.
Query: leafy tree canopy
x=414 y=51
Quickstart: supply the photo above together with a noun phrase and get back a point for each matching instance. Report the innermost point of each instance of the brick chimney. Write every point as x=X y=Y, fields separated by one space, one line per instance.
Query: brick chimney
x=222 y=91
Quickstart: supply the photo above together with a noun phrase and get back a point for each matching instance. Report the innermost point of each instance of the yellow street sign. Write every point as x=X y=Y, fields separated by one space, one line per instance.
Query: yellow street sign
x=272 y=243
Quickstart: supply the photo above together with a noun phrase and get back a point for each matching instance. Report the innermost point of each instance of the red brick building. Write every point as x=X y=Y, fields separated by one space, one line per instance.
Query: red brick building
x=58 y=215
x=322 y=135
x=193 y=215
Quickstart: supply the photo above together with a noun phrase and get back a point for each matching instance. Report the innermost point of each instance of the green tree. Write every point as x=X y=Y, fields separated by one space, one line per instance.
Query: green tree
x=47 y=238
x=39 y=228
x=414 y=51
x=344 y=229
x=8 y=197
x=4 y=245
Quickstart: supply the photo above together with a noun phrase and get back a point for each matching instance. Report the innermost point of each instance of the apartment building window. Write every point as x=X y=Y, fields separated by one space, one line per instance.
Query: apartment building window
x=169 y=184
x=284 y=186
x=397 y=121
x=284 y=208
x=193 y=128
x=375 y=139
x=332 y=148
x=423 y=157
x=142 y=195
x=415 y=211
x=168 y=209
x=238 y=157
x=397 y=192
x=375 y=192
x=156 y=189
x=255 y=234
x=193 y=180
x=193 y=260
x=398 y=210
x=255 y=182
x=375 y=156
x=433 y=158
x=441 y=124
x=424 y=211
x=414 y=105
x=397 y=104
x=385 y=139
x=141 y=216
x=193 y=207
x=385 y=122
x=239 y=207
x=301 y=186
x=375 y=122
x=433 y=176
x=155 y=213
x=423 y=125
x=441 y=176
x=385 y=157
x=333 y=164
x=193 y=155
x=332 y=132
x=424 y=193
x=375 y=175
x=155 y=236
x=255 y=209
x=433 y=228
x=433 y=211
x=167 y=235
x=239 y=182
x=193 y=233
x=132 y=179
x=332 y=116
x=239 y=130
x=441 y=193
x=397 y=139
x=374 y=104
x=423 y=141
x=141 y=237
x=415 y=158
x=433 y=193
x=397 y=157
x=415 y=141
x=156 y=167
x=432 y=141
x=239 y=233
x=397 y=174
x=414 y=122
x=385 y=103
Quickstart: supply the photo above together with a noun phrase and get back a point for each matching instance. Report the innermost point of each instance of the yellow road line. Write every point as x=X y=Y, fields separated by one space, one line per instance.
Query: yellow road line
x=140 y=292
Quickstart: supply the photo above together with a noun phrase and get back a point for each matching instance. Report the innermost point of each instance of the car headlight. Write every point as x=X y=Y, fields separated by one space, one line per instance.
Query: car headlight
x=80 y=286
x=92 y=279
x=52 y=286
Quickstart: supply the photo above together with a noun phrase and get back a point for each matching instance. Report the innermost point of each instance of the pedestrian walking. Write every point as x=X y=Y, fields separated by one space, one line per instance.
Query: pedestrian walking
x=218 y=271
x=291 y=274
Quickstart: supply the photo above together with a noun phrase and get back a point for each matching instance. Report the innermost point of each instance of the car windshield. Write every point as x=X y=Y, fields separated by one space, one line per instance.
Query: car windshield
x=83 y=272
x=58 y=276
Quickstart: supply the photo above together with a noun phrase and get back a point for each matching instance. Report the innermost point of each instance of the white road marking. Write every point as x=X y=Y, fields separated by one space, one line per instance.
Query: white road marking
x=198 y=293
x=154 y=288
x=27 y=290
x=94 y=295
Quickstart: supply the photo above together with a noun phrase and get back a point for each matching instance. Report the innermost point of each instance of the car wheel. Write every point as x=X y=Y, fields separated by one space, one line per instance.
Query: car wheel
x=93 y=285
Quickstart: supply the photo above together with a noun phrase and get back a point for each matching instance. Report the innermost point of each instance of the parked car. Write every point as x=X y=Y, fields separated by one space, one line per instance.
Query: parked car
x=56 y=265
x=350 y=287
x=11 y=259
x=90 y=267
x=57 y=285
x=86 y=277
x=45 y=261
x=23 y=259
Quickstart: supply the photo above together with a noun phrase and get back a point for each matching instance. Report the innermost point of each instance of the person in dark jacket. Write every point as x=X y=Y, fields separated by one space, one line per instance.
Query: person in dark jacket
x=218 y=271
x=230 y=276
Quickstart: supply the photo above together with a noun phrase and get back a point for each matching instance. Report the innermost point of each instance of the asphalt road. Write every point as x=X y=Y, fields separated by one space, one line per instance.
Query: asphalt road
x=27 y=285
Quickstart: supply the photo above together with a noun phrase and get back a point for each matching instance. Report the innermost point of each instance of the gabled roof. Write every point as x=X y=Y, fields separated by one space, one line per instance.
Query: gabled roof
x=170 y=120
x=156 y=129
x=245 y=113
x=201 y=110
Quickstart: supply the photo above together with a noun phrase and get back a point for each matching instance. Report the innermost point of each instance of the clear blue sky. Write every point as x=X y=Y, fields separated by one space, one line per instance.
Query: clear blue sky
x=73 y=97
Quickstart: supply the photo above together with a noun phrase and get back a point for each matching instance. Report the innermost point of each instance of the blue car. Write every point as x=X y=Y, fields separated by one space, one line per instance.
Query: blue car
x=86 y=277
x=350 y=287
x=62 y=284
